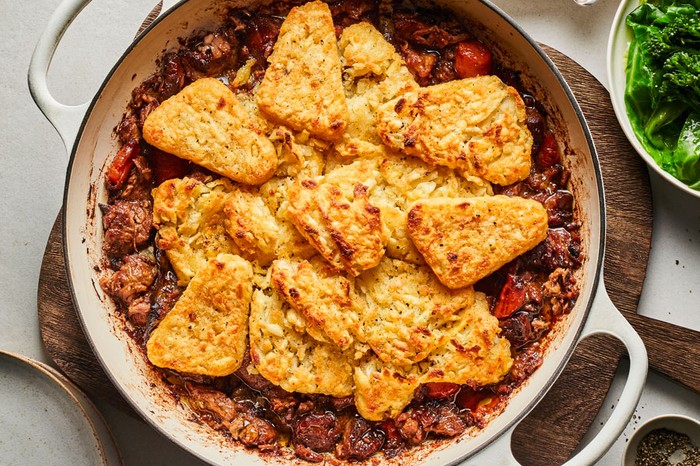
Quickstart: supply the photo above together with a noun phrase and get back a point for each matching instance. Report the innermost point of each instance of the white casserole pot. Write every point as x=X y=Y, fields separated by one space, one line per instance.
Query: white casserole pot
x=87 y=131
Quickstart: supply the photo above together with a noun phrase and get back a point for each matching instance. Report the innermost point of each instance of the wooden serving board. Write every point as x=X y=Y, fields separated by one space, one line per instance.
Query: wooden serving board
x=553 y=430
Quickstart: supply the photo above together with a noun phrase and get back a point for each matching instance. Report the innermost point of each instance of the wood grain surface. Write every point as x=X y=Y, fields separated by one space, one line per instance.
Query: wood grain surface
x=674 y=351
x=553 y=430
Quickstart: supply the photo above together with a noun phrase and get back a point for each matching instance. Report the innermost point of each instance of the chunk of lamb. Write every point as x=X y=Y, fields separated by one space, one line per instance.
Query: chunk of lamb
x=415 y=424
x=359 y=440
x=130 y=283
x=239 y=419
x=319 y=431
x=127 y=226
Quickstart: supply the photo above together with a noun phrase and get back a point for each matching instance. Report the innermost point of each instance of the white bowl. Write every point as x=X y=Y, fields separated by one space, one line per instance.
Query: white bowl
x=675 y=422
x=618 y=45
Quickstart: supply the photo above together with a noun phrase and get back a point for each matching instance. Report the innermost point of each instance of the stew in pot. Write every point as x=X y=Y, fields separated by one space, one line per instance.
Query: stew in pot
x=310 y=274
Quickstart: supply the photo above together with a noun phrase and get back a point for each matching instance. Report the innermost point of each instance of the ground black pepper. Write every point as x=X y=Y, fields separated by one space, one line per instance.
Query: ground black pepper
x=662 y=447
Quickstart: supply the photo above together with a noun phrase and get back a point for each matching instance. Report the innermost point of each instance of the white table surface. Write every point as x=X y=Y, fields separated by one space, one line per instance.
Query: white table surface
x=34 y=162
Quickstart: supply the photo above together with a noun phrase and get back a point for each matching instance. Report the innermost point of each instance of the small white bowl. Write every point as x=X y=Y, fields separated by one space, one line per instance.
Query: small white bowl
x=675 y=422
x=618 y=45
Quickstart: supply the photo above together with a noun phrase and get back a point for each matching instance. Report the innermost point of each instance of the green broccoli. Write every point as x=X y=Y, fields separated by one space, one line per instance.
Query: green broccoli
x=663 y=84
x=678 y=30
x=681 y=79
x=678 y=94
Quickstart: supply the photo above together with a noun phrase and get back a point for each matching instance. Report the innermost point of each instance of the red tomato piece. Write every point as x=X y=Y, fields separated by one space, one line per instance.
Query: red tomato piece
x=548 y=154
x=511 y=299
x=118 y=170
x=472 y=58
x=469 y=399
x=167 y=166
x=441 y=390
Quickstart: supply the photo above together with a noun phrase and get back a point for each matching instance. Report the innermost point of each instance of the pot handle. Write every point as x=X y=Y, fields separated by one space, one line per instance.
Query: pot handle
x=65 y=118
x=604 y=318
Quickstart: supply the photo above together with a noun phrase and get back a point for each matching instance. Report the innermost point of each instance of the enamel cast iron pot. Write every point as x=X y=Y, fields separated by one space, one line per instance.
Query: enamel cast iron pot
x=87 y=131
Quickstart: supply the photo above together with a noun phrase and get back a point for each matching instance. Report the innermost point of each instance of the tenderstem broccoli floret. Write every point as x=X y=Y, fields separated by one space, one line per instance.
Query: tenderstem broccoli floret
x=681 y=79
x=678 y=30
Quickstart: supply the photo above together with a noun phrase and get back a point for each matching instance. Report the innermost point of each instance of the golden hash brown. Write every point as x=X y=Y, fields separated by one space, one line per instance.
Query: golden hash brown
x=409 y=312
x=189 y=216
x=473 y=353
x=302 y=87
x=365 y=52
x=325 y=298
x=287 y=356
x=251 y=225
x=299 y=154
x=373 y=73
x=383 y=390
x=406 y=179
x=290 y=243
x=206 y=124
x=205 y=332
x=333 y=212
x=464 y=240
x=476 y=125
